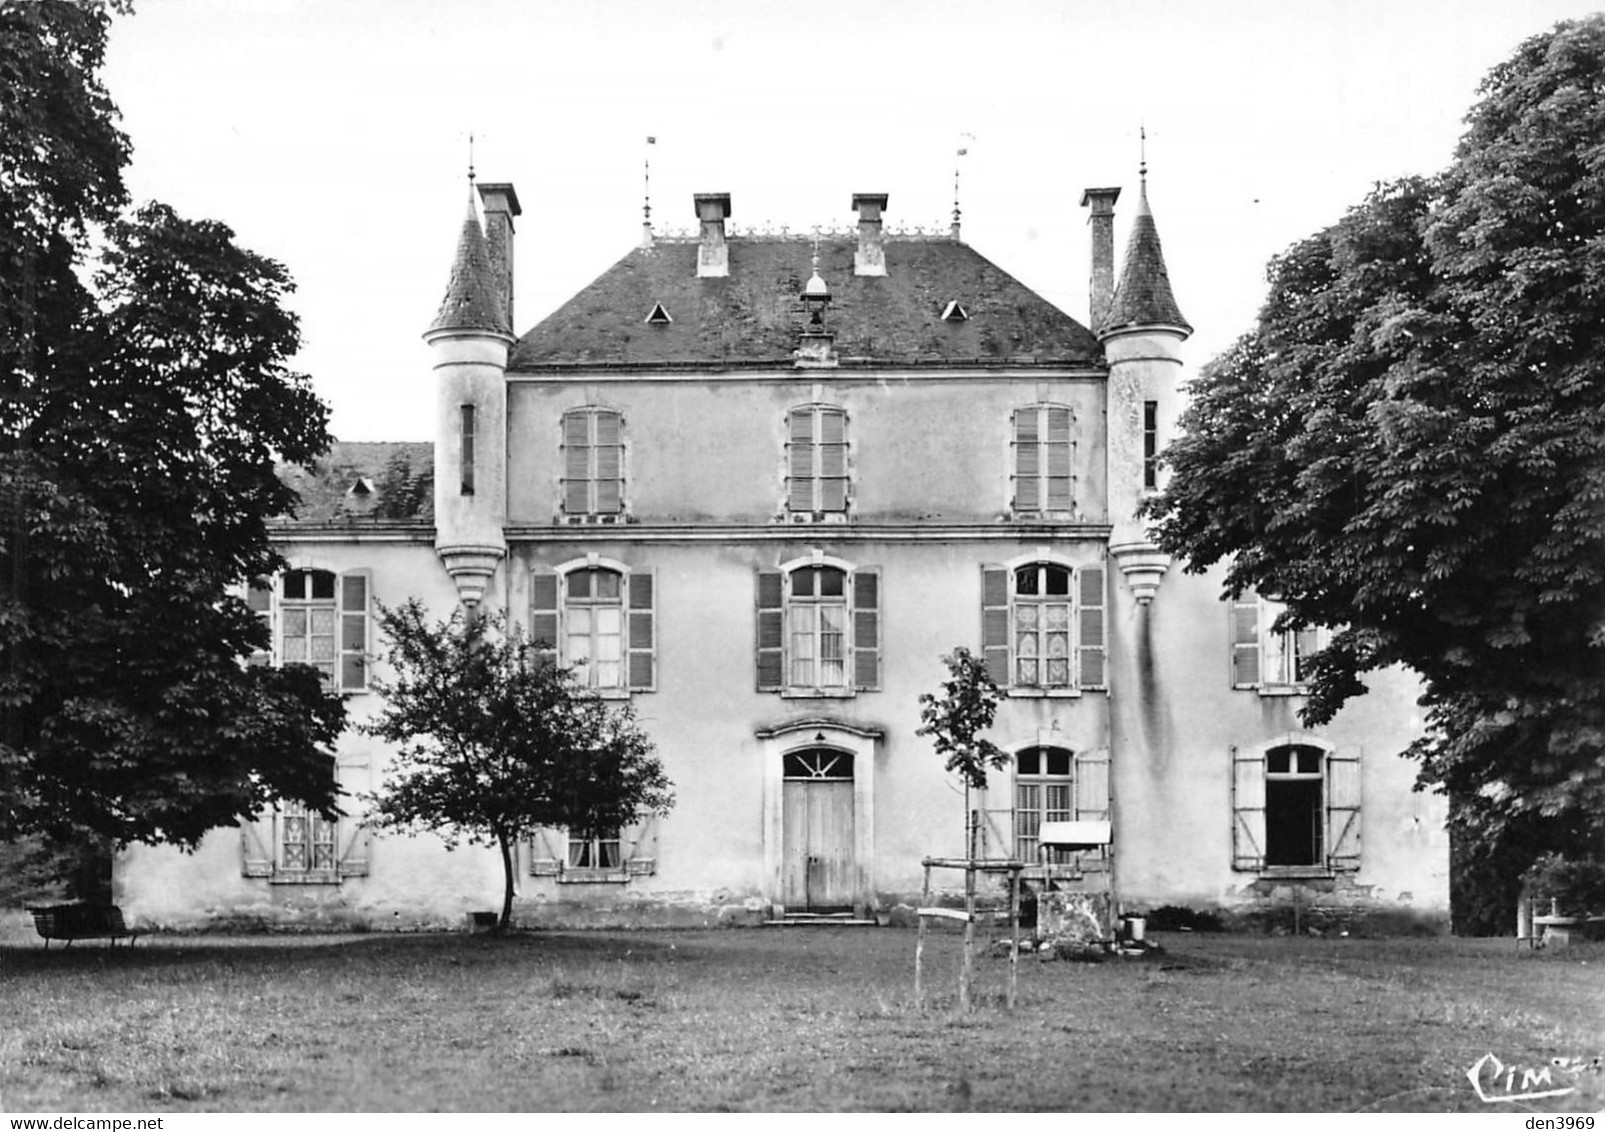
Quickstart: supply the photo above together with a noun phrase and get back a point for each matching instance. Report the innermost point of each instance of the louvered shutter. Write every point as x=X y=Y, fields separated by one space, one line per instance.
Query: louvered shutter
x=995 y=623
x=356 y=591
x=1343 y=810
x=543 y=614
x=1244 y=614
x=353 y=837
x=800 y=485
x=577 y=463
x=1092 y=631
x=259 y=597
x=1057 y=463
x=609 y=461
x=545 y=852
x=642 y=627
x=1092 y=801
x=256 y=846
x=639 y=845
x=867 y=628
x=770 y=609
x=1248 y=810
x=832 y=460
x=1027 y=461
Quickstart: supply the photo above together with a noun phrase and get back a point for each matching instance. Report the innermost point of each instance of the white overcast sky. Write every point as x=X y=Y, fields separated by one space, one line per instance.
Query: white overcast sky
x=332 y=136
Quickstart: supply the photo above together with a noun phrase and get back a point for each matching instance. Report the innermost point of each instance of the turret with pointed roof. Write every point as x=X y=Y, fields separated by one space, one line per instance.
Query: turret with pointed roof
x=1143 y=296
x=474 y=298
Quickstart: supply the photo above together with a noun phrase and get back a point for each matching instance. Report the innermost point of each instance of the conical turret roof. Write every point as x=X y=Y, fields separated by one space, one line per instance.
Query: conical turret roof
x=474 y=300
x=1143 y=297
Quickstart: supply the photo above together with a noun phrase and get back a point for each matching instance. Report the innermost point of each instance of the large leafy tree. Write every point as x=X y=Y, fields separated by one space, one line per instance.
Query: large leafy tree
x=146 y=401
x=492 y=743
x=1410 y=446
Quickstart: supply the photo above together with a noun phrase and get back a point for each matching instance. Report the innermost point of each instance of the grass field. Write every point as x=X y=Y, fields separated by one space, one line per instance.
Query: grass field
x=796 y=1019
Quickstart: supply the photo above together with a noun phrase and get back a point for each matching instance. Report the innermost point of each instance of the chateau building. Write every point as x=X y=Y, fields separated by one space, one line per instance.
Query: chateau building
x=759 y=485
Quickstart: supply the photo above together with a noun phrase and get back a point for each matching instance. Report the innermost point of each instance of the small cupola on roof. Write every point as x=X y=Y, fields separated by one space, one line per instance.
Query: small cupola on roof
x=870 y=259
x=816 y=346
x=713 y=254
x=1143 y=296
x=475 y=299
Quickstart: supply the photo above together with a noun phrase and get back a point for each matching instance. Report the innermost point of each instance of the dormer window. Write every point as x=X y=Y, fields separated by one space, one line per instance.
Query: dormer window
x=955 y=312
x=659 y=316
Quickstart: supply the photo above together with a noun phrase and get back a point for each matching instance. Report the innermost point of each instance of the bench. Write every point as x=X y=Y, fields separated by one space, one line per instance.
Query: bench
x=81 y=921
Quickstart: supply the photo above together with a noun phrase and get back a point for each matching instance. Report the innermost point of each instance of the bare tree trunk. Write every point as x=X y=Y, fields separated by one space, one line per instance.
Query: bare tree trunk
x=507 y=875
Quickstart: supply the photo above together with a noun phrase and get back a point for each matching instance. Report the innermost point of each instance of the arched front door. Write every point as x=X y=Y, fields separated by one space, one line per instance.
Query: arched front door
x=817 y=867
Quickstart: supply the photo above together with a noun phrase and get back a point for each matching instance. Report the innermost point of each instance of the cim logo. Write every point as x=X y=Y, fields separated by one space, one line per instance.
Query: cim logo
x=1498 y=1083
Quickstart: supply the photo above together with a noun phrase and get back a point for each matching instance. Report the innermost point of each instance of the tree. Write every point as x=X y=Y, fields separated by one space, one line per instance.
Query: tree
x=1410 y=446
x=492 y=743
x=955 y=720
x=146 y=401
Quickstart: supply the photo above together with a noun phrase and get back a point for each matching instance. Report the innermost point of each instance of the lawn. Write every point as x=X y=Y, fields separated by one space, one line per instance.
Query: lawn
x=793 y=1019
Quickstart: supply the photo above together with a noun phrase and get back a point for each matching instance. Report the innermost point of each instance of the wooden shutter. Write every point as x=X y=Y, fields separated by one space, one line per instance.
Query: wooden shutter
x=354 y=841
x=355 y=593
x=1343 y=809
x=546 y=852
x=256 y=846
x=995 y=623
x=1091 y=628
x=642 y=631
x=1057 y=462
x=832 y=460
x=997 y=822
x=577 y=462
x=867 y=628
x=259 y=597
x=1027 y=461
x=771 y=630
x=608 y=462
x=1244 y=613
x=638 y=845
x=800 y=457
x=1092 y=801
x=1248 y=810
x=543 y=614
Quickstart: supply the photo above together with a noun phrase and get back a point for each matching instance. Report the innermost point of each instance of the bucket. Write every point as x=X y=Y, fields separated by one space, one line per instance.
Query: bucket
x=1133 y=927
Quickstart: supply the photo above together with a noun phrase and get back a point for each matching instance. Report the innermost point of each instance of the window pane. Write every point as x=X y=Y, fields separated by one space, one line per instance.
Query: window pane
x=1058 y=762
x=1276 y=761
x=1058 y=674
x=832 y=582
x=1025 y=581
x=322 y=585
x=606 y=586
x=802 y=582
x=1058 y=580
x=1028 y=760
x=295 y=622
x=295 y=582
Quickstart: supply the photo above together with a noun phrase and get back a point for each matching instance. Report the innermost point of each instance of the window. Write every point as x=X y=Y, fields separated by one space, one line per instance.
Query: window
x=593 y=462
x=467 y=452
x=1277 y=663
x=1044 y=454
x=290 y=844
x=612 y=858
x=1296 y=806
x=816 y=462
x=1150 y=444
x=599 y=618
x=1051 y=784
x=317 y=618
x=1042 y=626
x=818 y=626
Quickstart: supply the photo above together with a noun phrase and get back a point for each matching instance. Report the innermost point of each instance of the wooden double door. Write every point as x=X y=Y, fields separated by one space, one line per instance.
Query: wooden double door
x=818 y=868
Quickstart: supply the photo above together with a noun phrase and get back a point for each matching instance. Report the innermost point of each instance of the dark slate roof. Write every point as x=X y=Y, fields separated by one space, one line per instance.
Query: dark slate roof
x=383 y=481
x=473 y=300
x=753 y=317
x=1142 y=297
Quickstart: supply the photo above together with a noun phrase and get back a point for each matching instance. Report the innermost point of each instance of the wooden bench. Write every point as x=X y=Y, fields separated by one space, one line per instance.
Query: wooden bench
x=81 y=921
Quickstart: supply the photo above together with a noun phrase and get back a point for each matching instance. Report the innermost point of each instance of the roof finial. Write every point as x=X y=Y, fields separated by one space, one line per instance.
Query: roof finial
x=962 y=151
x=1142 y=154
x=470 y=159
x=646 y=207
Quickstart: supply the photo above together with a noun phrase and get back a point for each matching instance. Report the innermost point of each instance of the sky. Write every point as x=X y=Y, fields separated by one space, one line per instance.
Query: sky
x=333 y=136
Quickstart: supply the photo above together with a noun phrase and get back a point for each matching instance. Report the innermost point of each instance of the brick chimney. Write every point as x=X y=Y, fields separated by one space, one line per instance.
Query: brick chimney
x=1102 y=286
x=501 y=205
x=870 y=259
x=713 y=254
